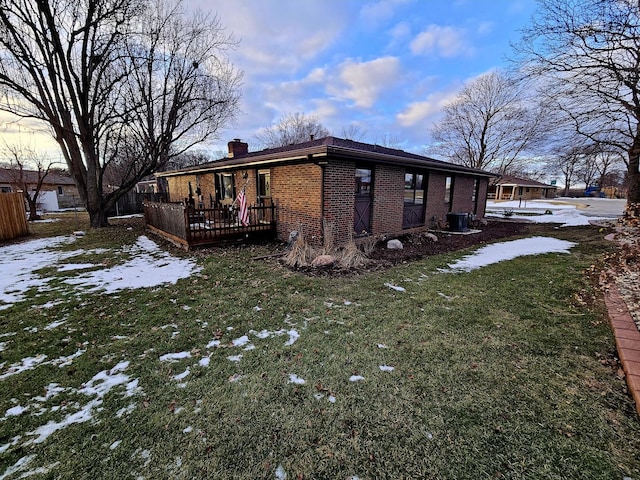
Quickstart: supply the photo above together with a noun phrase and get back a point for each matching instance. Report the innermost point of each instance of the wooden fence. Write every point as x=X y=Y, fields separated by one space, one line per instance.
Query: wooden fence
x=189 y=227
x=13 y=216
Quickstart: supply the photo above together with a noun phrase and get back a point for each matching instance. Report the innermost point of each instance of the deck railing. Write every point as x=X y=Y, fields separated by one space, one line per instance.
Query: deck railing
x=190 y=226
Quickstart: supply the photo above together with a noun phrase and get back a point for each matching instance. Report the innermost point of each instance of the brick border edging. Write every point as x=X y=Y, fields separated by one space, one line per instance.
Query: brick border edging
x=627 y=338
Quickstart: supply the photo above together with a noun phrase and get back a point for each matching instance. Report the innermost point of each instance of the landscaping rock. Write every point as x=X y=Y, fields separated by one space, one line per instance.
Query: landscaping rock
x=323 y=261
x=431 y=236
x=394 y=244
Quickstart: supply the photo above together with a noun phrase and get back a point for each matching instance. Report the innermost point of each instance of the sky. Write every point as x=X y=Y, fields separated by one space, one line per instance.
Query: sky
x=384 y=66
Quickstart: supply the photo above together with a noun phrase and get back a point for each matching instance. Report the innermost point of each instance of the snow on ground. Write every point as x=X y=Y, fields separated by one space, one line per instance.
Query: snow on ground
x=498 y=252
x=540 y=211
x=148 y=266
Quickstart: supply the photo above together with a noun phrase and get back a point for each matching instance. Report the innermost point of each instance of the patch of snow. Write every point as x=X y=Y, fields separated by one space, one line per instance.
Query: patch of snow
x=16 y=467
x=174 y=357
x=55 y=324
x=182 y=375
x=386 y=368
x=498 y=252
x=66 y=361
x=280 y=473
x=101 y=384
x=234 y=358
x=15 y=411
x=293 y=378
x=204 y=361
x=126 y=410
x=148 y=267
x=115 y=444
x=27 y=363
x=14 y=441
x=187 y=430
x=382 y=345
x=3 y=346
x=213 y=343
x=332 y=399
x=395 y=287
x=356 y=378
x=239 y=342
x=293 y=336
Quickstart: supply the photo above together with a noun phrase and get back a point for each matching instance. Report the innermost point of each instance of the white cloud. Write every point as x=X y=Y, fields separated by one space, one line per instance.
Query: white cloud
x=380 y=11
x=419 y=112
x=441 y=40
x=364 y=82
x=282 y=38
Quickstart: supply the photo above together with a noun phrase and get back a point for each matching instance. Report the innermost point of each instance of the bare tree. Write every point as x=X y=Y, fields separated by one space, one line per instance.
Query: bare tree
x=191 y=159
x=291 y=129
x=607 y=163
x=25 y=179
x=353 y=131
x=389 y=140
x=587 y=53
x=124 y=81
x=490 y=124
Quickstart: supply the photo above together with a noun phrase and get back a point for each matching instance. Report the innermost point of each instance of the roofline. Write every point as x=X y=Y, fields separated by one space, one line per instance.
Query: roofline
x=538 y=185
x=319 y=152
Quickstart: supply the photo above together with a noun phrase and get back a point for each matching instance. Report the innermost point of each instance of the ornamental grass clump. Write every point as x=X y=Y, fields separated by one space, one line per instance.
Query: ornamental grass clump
x=301 y=253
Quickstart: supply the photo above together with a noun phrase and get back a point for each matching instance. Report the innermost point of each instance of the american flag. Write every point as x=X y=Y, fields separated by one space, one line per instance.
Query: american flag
x=243 y=212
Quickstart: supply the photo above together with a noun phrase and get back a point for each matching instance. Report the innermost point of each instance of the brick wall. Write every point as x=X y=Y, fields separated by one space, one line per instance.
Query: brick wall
x=296 y=190
x=482 y=197
x=388 y=202
x=339 y=197
x=437 y=208
x=462 y=194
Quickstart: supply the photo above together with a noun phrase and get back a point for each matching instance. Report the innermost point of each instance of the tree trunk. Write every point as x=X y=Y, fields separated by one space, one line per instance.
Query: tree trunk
x=98 y=218
x=33 y=210
x=633 y=192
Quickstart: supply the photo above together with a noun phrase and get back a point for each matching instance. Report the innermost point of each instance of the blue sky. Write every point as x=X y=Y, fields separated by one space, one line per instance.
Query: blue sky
x=387 y=66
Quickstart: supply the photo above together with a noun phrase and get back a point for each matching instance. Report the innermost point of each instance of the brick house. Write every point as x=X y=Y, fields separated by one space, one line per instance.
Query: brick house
x=358 y=187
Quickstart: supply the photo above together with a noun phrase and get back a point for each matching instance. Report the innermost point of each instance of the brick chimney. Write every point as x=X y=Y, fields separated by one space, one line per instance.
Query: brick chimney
x=237 y=148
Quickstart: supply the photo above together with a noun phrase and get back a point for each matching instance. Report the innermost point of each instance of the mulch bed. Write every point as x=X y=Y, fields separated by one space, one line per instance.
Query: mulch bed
x=418 y=245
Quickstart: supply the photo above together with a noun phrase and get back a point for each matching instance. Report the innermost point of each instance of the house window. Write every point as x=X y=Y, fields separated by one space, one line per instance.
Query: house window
x=448 y=189
x=5 y=189
x=225 y=187
x=519 y=191
x=60 y=191
x=413 y=188
x=264 y=183
x=363 y=181
x=414 y=199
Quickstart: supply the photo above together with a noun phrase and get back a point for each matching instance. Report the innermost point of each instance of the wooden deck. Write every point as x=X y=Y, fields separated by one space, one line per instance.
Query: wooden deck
x=191 y=227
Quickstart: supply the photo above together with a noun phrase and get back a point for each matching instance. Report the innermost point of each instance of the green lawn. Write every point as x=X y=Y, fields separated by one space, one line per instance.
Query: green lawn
x=502 y=372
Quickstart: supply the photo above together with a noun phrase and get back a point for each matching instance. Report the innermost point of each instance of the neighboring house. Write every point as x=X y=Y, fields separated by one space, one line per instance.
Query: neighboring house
x=357 y=187
x=57 y=181
x=508 y=187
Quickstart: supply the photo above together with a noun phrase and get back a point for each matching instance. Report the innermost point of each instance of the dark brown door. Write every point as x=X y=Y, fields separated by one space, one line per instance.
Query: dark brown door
x=363 y=201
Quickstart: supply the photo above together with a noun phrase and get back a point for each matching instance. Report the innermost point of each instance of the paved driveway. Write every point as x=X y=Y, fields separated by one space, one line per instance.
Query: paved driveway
x=596 y=207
